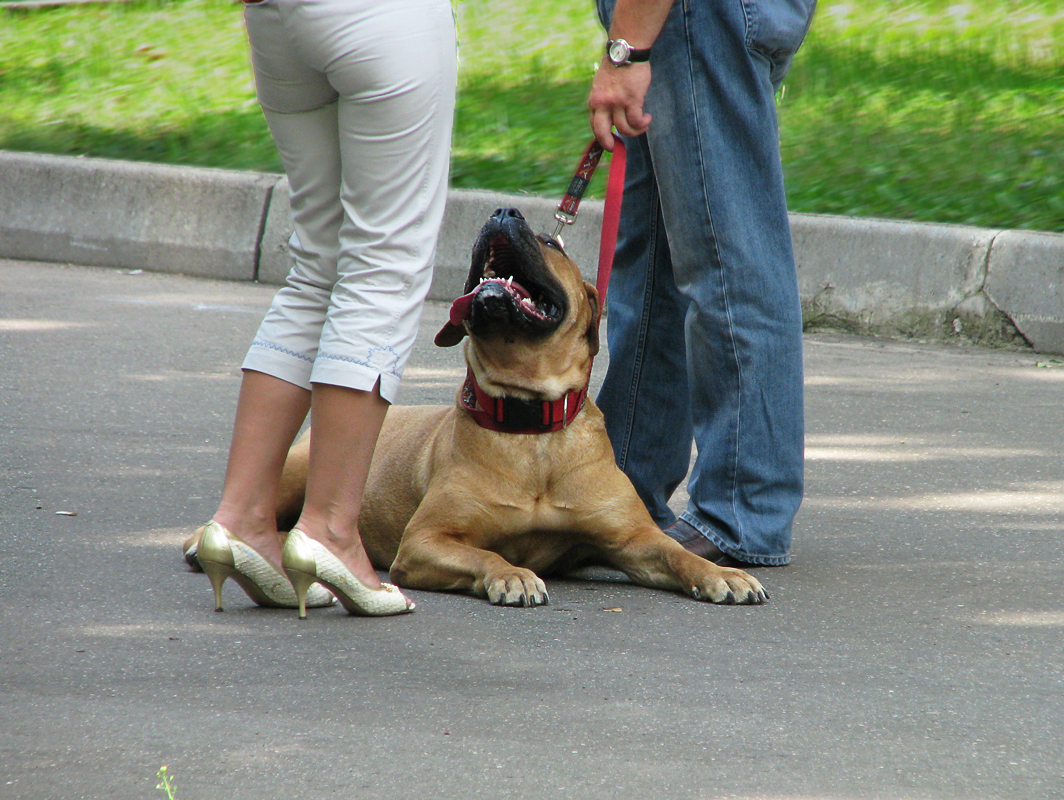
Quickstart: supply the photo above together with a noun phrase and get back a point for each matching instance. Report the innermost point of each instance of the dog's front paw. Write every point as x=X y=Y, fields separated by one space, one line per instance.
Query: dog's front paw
x=728 y=586
x=522 y=587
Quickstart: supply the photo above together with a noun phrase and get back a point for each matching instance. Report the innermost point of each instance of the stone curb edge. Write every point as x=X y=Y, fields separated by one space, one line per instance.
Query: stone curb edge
x=867 y=275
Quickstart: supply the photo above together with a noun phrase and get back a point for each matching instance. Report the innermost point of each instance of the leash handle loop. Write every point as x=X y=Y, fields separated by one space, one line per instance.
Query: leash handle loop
x=611 y=216
x=568 y=207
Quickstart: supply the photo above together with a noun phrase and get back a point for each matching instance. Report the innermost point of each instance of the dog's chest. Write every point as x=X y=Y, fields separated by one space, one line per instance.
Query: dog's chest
x=527 y=502
x=534 y=500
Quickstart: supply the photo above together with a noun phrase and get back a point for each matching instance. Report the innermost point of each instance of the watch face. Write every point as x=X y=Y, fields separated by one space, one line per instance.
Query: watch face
x=618 y=52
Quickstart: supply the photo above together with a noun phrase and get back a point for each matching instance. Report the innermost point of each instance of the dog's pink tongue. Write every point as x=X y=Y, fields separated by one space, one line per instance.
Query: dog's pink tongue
x=461 y=307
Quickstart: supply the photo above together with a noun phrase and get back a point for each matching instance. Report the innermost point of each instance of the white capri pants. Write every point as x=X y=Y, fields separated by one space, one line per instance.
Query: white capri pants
x=359 y=96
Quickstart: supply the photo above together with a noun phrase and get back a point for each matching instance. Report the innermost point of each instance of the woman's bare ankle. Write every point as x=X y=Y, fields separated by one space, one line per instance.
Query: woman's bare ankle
x=259 y=532
x=346 y=546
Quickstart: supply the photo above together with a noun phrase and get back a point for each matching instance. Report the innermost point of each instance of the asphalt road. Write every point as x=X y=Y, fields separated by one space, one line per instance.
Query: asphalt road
x=914 y=649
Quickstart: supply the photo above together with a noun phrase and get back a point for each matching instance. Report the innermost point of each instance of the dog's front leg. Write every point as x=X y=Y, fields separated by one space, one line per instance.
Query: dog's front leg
x=439 y=561
x=627 y=538
x=651 y=558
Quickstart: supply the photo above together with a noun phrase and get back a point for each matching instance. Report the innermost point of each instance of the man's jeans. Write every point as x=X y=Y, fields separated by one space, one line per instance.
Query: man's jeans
x=704 y=324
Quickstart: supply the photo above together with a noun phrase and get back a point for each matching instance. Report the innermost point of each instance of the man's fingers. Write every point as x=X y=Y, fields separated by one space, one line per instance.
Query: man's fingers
x=602 y=127
x=631 y=121
x=627 y=122
x=639 y=119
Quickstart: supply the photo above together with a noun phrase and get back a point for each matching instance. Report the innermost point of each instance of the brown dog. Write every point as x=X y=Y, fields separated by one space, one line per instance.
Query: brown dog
x=474 y=497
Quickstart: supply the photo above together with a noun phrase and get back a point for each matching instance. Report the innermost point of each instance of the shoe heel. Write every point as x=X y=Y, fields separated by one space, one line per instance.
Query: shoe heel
x=217 y=573
x=301 y=582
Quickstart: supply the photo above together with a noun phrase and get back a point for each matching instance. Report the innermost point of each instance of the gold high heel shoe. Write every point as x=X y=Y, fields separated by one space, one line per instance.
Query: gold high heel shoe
x=189 y=548
x=307 y=561
x=222 y=554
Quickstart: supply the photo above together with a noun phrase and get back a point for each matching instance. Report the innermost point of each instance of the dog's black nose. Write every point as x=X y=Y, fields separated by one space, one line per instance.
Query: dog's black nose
x=506 y=213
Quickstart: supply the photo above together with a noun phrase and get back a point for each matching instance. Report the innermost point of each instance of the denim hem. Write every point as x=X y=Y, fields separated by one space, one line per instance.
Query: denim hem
x=739 y=555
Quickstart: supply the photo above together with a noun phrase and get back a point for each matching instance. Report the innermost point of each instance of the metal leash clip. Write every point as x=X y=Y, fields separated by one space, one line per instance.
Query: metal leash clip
x=567 y=208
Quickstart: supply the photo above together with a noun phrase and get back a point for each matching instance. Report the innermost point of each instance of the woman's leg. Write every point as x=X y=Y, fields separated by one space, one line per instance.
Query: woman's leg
x=269 y=414
x=346 y=423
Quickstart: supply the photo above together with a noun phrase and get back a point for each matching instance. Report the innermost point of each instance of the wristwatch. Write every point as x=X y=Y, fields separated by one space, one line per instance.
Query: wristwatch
x=621 y=54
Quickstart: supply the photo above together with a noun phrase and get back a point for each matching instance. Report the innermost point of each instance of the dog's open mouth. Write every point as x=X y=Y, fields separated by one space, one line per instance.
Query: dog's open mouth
x=509 y=283
x=498 y=281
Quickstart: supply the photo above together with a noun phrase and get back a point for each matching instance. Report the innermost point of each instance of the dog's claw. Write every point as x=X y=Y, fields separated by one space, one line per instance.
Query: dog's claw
x=522 y=590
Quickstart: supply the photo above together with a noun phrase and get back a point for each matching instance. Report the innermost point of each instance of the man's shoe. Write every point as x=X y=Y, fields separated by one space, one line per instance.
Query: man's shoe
x=694 y=542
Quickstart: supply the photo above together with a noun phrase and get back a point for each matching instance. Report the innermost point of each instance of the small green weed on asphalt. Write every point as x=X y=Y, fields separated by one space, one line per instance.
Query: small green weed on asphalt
x=166 y=783
x=935 y=110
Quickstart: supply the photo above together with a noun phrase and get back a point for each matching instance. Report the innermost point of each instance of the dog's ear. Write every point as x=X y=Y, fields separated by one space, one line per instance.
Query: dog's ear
x=596 y=318
x=450 y=335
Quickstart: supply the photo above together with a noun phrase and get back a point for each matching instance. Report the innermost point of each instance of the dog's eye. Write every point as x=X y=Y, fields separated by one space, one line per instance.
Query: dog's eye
x=552 y=242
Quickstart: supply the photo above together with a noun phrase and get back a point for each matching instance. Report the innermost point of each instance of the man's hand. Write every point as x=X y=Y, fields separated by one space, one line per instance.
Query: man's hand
x=617 y=95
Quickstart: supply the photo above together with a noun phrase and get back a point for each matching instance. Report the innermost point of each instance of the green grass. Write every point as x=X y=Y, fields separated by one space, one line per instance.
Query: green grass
x=935 y=110
x=932 y=111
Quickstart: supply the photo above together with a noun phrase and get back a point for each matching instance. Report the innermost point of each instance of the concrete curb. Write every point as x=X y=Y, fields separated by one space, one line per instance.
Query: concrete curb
x=866 y=275
x=98 y=212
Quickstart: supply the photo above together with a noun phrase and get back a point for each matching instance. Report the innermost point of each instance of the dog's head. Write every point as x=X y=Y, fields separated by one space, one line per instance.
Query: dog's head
x=531 y=318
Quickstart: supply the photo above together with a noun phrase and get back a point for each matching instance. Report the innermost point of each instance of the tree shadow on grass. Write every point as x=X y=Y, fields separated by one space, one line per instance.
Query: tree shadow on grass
x=230 y=140
x=942 y=67
x=524 y=138
x=521 y=138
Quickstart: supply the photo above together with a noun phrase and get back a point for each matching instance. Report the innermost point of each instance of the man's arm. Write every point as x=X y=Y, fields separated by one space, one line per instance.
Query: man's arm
x=617 y=93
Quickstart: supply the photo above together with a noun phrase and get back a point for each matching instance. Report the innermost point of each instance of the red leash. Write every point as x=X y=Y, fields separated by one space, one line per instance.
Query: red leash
x=611 y=215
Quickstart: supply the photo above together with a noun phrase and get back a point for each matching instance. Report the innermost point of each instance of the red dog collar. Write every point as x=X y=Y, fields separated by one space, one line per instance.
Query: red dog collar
x=514 y=415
